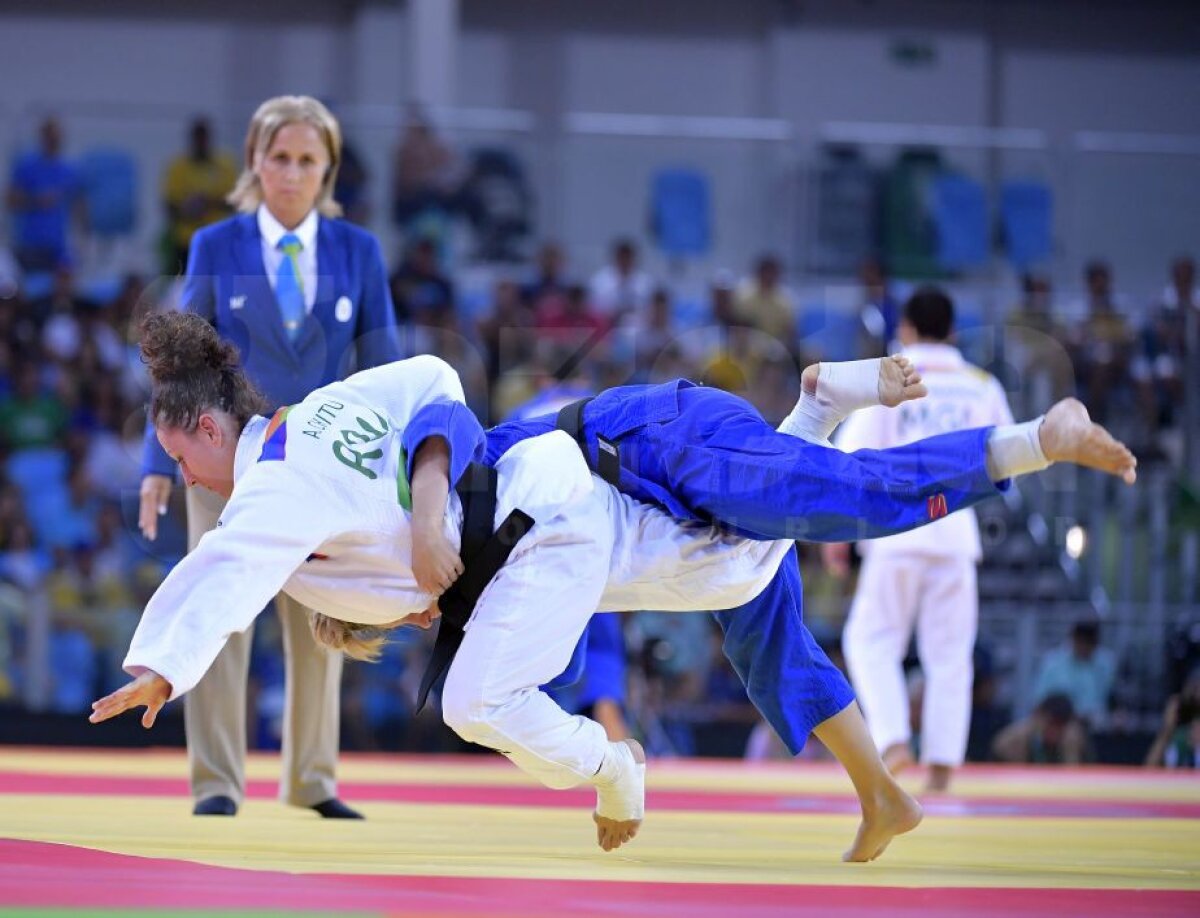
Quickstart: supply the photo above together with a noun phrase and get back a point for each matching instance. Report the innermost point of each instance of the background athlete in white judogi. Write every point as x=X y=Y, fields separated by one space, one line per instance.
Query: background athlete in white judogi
x=923 y=580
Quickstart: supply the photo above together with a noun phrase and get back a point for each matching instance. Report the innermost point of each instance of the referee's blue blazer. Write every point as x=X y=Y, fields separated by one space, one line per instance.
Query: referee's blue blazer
x=352 y=325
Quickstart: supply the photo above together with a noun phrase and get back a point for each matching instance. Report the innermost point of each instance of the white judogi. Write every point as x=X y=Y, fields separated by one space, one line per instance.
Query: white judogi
x=924 y=578
x=322 y=521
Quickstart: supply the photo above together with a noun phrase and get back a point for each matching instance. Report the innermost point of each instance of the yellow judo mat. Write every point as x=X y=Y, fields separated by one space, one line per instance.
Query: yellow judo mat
x=112 y=833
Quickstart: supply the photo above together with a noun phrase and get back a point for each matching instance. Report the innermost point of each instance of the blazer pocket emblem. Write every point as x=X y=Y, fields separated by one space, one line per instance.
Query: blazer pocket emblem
x=344 y=309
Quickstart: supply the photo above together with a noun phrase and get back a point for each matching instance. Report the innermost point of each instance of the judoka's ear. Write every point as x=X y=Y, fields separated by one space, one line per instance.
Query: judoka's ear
x=209 y=428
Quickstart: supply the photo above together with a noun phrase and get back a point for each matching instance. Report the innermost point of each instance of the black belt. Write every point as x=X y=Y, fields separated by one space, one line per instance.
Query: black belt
x=483 y=553
x=608 y=453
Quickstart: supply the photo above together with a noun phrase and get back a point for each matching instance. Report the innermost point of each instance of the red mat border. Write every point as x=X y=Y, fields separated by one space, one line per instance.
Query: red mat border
x=42 y=875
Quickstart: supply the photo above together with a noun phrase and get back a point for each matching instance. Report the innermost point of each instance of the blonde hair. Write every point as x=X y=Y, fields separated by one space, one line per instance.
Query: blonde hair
x=360 y=642
x=272 y=115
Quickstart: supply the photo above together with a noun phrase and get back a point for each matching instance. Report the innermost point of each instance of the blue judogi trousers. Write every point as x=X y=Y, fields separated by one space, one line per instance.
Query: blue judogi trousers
x=707 y=455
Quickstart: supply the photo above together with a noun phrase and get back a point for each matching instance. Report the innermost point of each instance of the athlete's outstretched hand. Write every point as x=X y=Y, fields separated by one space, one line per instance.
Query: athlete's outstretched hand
x=149 y=690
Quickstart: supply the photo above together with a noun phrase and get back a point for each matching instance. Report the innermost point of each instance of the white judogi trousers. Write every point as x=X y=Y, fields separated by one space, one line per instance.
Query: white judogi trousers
x=521 y=635
x=936 y=595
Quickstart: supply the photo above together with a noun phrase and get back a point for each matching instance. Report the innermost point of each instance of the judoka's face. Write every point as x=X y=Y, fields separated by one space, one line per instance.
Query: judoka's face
x=205 y=455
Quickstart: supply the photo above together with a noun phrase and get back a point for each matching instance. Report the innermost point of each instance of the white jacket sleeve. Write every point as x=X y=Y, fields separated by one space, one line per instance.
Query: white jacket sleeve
x=274 y=521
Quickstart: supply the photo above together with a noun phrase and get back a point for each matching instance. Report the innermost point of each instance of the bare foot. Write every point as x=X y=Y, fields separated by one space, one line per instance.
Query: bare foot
x=627 y=795
x=939 y=779
x=1067 y=434
x=899 y=381
x=897 y=757
x=893 y=813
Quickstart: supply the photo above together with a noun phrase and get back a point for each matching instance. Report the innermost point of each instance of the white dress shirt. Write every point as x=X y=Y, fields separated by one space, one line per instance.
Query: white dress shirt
x=271 y=231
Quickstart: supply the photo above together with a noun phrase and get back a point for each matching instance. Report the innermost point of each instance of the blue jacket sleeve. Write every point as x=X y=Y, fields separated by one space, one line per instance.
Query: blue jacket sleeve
x=456 y=423
x=197 y=297
x=377 y=338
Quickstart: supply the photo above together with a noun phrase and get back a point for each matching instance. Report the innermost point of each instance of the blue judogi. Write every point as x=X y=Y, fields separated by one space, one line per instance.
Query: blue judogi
x=704 y=454
x=787 y=675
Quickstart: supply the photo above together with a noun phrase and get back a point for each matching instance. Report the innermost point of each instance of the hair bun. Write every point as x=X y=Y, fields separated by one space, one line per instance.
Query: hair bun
x=177 y=346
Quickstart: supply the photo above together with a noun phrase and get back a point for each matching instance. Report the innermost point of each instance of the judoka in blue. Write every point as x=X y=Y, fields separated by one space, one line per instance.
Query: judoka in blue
x=707 y=455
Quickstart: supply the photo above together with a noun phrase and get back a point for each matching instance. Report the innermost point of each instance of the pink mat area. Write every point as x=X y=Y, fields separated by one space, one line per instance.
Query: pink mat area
x=38 y=875
x=723 y=801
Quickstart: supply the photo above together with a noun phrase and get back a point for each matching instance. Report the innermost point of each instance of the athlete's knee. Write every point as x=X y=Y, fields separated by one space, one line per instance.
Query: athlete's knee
x=464 y=708
x=469 y=712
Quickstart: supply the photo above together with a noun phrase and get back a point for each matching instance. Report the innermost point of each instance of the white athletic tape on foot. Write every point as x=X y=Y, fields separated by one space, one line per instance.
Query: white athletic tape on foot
x=625 y=797
x=841 y=388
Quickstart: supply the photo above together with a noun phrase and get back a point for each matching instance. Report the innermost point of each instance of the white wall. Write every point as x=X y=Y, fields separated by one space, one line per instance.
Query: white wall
x=136 y=74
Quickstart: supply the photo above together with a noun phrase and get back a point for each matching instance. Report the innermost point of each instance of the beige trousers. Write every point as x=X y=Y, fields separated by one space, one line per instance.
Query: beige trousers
x=215 y=710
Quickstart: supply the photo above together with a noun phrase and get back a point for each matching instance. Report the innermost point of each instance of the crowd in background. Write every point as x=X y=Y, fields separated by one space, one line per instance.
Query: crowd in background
x=72 y=390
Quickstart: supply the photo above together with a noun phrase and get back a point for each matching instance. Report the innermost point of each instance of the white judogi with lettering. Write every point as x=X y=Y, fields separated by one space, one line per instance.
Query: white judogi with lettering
x=317 y=515
x=924 y=579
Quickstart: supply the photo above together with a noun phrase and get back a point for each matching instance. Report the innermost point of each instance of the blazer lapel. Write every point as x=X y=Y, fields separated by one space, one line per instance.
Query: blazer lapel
x=255 y=283
x=249 y=250
x=329 y=272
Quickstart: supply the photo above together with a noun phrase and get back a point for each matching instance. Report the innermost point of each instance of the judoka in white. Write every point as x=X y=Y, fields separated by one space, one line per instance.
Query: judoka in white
x=321 y=510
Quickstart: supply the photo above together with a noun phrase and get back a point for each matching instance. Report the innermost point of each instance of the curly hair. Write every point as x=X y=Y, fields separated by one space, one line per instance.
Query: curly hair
x=193 y=370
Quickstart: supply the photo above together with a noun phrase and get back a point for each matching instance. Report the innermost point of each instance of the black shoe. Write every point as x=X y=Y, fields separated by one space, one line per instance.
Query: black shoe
x=335 y=809
x=215 y=806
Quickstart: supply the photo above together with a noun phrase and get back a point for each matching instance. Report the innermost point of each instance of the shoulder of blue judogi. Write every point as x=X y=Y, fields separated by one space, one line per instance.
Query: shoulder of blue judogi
x=615 y=412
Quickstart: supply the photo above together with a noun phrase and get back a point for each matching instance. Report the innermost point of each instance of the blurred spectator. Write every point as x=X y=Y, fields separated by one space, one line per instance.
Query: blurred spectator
x=423 y=294
x=570 y=318
x=21 y=561
x=1052 y=734
x=428 y=173
x=42 y=191
x=731 y=356
x=69 y=517
x=654 y=335
x=1035 y=349
x=31 y=418
x=109 y=459
x=194 y=187
x=675 y=657
x=621 y=290
x=879 y=310
x=61 y=332
x=1177 y=744
x=1172 y=340
x=1035 y=310
x=549 y=280
x=350 y=189
x=985 y=709
x=507 y=332
x=764 y=303
x=1102 y=345
x=1081 y=670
